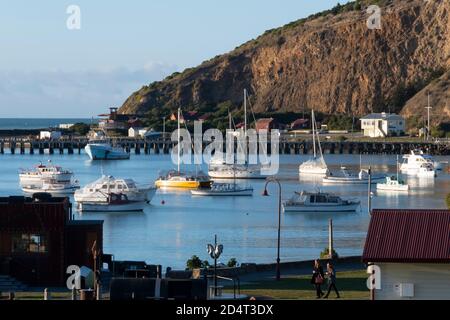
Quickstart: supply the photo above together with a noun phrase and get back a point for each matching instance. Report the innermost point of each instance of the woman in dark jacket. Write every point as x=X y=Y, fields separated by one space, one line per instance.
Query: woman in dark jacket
x=317 y=278
x=331 y=281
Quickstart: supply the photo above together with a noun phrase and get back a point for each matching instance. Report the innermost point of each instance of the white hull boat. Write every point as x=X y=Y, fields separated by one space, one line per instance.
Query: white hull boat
x=309 y=202
x=99 y=190
x=231 y=171
x=418 y=164
x=351 y=178
x=54 y=189
x=392 y=184
x=36 y=177
x=224 y=190
x=104 y=151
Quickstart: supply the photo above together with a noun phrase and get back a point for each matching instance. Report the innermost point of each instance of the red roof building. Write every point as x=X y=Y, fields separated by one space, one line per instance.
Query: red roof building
x=267 y=124
x=299 y=124
x=410 y=254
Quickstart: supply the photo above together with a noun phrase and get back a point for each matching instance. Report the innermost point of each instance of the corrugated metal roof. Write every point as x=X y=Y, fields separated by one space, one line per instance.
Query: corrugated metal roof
x=408 y=236
x=384 y=116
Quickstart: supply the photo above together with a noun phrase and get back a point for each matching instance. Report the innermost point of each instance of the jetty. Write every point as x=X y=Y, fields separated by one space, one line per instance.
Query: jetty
x=138 y=146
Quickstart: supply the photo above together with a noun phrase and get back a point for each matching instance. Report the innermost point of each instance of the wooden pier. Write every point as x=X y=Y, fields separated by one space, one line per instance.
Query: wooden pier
x=18 y=146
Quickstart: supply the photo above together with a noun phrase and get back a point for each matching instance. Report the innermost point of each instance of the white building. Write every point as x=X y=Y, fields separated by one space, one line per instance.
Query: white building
x=409 y=252
x=381 y=125
x=50 y=135
x=137 y=132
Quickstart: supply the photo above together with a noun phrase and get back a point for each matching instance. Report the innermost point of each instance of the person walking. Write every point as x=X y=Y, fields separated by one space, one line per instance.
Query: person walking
x=331 y=273
x=317 y=278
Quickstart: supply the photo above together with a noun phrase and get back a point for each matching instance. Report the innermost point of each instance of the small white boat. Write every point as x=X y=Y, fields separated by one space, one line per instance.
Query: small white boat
x=392 y=184
x=99 y=190
x=103 y=150
x=53 y=187
x=319 y=202
x=36 y=177
x=317 y=164
x=113 y=203
x=419 y=164
x=347 y=177
x=224 y=189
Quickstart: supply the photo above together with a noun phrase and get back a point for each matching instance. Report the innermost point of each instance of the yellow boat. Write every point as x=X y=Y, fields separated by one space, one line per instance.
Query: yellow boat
x=175 y=179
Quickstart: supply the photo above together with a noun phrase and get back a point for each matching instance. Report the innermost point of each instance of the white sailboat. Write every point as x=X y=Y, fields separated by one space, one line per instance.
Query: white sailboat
x=393 y=183
x=317 y=164
x=348 y=177
x=219 y=169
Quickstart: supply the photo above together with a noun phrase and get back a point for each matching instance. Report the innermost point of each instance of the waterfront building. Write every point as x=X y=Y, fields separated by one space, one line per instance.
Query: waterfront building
x=299 y=124
x=137 y=132
x=115 y=121
x=411 y=249
x=39 y=239
x=382 y=125
x=268 y=124
x=50 y=135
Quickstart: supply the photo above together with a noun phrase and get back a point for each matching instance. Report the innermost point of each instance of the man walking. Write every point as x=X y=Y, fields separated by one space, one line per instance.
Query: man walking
x=331 y=281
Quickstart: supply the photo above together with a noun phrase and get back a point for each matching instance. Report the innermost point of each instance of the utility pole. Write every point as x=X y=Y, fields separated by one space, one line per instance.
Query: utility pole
x=330 y=239
x=369 y=196
x=428 y=117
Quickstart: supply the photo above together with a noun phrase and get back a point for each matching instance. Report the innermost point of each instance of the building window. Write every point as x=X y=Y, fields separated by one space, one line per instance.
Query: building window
x=29 y=243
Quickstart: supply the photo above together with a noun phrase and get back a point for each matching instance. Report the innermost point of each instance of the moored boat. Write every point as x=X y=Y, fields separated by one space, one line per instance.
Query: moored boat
x=35 y=177
x=224 y=189
x=419 y=164
x=347 y=177
x=392 y=184
x=53 y=187
x=112 y=203
x=319 y=202
x=103 y=150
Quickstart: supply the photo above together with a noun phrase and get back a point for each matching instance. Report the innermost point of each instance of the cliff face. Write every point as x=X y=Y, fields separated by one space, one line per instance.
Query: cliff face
x=334 y=64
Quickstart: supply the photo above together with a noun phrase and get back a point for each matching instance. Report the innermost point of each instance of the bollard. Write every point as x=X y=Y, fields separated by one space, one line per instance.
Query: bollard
x=74 y=293
x=99 y=292
x=47 y=295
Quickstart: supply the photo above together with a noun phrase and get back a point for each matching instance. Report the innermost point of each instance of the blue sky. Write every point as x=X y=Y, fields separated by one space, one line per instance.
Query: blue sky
x=47 y=70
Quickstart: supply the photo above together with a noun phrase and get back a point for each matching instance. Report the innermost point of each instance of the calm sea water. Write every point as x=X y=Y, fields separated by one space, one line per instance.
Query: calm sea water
x=170 y=233
x=24 y=123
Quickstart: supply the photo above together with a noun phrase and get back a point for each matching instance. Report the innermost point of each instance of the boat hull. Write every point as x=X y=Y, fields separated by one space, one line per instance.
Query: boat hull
x=104 y=152
x=53 y=192
x=343 y=180
x=212 y=193
x=105 y=207
x=384 y=187
x=182 y=184
x=320 y=208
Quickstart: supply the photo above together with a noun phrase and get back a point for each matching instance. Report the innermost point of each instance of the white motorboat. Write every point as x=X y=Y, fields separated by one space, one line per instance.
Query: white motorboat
x=347 y=177
x=392 y=184
x=112 y=203
x=52 y=187
x=224 y=189
x=35 y=177
x=319 y=202
x=317 y=164
x=103 y=150
x=99 y=190
x=419 y=164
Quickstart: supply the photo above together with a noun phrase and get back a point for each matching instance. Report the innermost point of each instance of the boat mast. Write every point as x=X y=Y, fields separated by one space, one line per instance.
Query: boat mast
x=313 y=120
x=178 y=137
x=245 y=124
x=397 y=168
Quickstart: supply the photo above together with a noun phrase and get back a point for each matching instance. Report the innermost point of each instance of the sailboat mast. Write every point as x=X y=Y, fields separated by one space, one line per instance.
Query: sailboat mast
x=397 y=167
x=245 y=111
x=313 y=120
x=178 y=139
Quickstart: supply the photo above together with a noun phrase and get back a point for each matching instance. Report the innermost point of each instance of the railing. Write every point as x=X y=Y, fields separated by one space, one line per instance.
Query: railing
x=236 y=284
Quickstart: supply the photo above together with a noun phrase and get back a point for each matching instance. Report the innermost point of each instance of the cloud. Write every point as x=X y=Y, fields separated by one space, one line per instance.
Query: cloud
x=57 y=93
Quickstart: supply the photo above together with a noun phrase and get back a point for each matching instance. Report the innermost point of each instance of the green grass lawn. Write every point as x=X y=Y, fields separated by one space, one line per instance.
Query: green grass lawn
x=351 y=286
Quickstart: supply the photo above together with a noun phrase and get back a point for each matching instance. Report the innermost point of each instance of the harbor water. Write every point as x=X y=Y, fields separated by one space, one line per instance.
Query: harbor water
x=177 y=225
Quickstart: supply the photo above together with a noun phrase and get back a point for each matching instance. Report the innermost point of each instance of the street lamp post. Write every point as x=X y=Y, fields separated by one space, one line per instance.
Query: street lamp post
x=266 y=193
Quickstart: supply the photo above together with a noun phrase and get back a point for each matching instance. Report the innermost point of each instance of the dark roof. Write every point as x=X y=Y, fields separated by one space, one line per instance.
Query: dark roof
x=85 y=222
x=408 y=236
x=389 y=116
